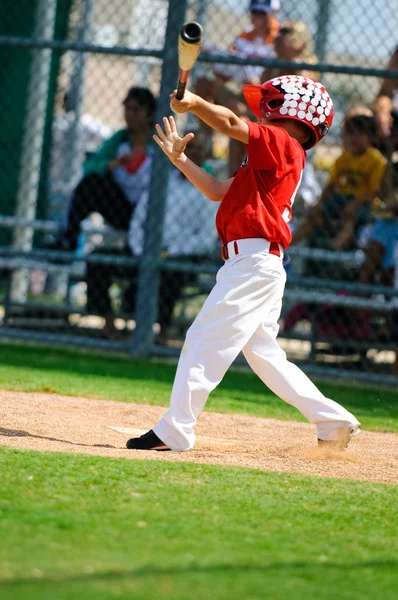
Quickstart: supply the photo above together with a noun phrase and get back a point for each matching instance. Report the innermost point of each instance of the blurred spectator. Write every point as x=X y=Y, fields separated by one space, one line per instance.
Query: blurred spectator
x=354 y=182
x=383 y=234
x=117 y=174
x=386 y=104
x=257 y=42
x=308 y=193
x=359 y=109
x=224 y=87
x=189 y=235
x=90 y=131
x=395 y=312
x=295 y=43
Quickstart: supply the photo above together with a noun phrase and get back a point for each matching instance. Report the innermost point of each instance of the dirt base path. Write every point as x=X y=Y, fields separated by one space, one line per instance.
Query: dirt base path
x=47 y=422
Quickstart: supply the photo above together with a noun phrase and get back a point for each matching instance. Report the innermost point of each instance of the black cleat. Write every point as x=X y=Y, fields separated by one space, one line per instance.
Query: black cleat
x=148 y=441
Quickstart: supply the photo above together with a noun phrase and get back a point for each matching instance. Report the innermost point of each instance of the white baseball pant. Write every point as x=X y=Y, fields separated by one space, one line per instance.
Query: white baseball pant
x=241 y=314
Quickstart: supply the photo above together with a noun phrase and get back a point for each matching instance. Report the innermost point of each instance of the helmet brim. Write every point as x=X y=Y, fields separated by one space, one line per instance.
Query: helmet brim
x=253 y=95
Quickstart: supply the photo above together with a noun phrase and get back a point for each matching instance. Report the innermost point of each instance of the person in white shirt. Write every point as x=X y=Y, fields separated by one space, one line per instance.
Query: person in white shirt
x=91 y=133
x=114 y=176
x=188 y=234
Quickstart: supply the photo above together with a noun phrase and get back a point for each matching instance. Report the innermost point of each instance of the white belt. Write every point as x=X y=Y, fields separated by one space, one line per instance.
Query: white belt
x=250 y=246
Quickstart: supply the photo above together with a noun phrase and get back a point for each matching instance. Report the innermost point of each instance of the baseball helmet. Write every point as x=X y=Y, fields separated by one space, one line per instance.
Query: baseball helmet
x=293 y=97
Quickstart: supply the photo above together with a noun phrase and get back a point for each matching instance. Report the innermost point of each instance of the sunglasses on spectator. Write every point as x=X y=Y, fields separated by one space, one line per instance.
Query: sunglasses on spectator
x=285 y=31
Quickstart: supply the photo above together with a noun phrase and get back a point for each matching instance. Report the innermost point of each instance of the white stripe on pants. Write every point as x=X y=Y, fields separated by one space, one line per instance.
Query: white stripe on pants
x=241 y=314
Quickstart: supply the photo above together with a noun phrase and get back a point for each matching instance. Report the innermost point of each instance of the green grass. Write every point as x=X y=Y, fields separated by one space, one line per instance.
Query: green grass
x=75 y=526
x=70 y=372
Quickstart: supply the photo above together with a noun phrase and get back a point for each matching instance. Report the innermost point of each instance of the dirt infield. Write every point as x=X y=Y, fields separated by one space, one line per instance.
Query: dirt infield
x=48 y=422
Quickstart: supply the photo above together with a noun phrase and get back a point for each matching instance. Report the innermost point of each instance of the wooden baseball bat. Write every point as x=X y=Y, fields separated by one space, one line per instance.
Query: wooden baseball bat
x=189 y=44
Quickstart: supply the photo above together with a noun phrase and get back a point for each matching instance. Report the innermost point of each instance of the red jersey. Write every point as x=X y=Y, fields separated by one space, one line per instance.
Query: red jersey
x=259 y=201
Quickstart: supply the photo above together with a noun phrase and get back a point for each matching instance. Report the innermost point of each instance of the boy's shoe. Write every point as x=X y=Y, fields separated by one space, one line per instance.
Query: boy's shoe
x=148 y=441
x=342 y=439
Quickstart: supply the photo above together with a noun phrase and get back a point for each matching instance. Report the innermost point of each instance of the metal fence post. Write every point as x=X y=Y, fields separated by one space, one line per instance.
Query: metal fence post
x=148 y=282
x=323 y=18
x=33 y=141
x=76 y=91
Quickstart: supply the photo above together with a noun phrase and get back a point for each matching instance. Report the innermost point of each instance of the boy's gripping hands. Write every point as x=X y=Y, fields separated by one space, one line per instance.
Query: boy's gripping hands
x=186 y=104
x=169 y=140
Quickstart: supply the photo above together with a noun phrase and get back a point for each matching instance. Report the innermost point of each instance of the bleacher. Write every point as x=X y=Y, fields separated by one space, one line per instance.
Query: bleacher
x=50 y=315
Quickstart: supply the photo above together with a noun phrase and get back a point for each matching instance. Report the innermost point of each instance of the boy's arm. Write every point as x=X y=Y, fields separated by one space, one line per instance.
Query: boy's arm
x=218 y=117
x=173 y=146
x=212 y=188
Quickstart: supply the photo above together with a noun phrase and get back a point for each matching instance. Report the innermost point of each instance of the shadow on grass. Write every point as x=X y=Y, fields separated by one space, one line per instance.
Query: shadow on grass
x=151 y=571
x=19 y=433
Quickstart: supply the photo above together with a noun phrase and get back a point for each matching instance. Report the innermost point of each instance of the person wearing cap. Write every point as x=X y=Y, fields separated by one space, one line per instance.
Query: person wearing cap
x=117 y=174
x=295 y=43
x=255 y=206
x=256 y=42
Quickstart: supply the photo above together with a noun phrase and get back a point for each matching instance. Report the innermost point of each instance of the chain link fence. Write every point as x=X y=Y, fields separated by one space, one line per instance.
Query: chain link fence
x=104 y=244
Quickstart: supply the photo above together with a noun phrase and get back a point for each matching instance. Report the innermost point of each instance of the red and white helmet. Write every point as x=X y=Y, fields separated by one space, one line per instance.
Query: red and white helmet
x=293 y=97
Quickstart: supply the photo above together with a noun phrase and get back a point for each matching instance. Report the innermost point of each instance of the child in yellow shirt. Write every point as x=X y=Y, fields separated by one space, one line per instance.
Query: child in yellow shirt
x=353 y=184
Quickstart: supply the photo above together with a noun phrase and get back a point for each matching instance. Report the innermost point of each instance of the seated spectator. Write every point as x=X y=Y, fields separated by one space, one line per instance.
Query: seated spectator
x=354 y=181
x=115 y=175
x=359 y=109
x=386 y=105
x=295 y=43
x=383 y=234
x=189 y=235
x=257 y=42
x=224 y=87
x=394 y=335
x=92 y=133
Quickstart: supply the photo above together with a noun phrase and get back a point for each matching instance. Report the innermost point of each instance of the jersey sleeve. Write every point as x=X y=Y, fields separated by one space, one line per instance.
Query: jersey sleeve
x=268 y=147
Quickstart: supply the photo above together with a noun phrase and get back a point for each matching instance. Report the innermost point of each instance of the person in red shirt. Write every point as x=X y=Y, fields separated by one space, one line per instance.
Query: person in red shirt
x=222 y=84
x=242 y=311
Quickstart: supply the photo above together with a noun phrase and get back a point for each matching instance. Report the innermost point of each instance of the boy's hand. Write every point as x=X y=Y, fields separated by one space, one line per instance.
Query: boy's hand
x=169 y=140
x=184 y=105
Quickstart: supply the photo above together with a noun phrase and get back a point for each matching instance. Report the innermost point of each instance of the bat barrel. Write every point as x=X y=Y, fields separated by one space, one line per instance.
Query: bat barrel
x=192 y=32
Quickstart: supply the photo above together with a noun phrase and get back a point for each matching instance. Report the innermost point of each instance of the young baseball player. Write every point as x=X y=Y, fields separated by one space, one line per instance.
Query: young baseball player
x=242 y=311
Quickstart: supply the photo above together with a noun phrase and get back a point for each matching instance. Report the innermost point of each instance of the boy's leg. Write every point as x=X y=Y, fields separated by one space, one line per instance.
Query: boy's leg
x=287 y=381
x=247 y=287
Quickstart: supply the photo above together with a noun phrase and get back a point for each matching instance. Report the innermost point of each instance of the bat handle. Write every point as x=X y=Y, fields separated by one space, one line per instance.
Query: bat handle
x=180 y=90
x=182 y=83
